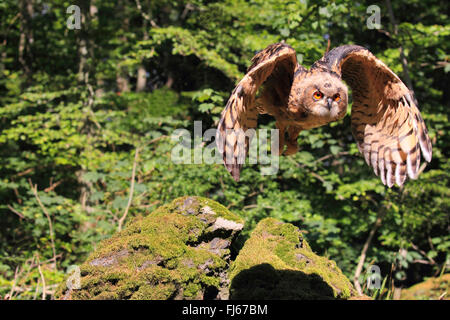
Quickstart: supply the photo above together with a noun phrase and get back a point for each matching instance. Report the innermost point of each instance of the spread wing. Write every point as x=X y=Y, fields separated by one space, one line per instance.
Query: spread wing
x=386 y=122
x=276 y=64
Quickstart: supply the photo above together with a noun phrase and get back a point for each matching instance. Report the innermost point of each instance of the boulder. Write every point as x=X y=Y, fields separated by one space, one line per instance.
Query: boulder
x=276 y=262
x=179 y=251
x=182 y=251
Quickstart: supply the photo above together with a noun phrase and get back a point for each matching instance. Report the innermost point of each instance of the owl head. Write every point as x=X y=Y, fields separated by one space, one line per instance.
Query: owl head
x=320 y=98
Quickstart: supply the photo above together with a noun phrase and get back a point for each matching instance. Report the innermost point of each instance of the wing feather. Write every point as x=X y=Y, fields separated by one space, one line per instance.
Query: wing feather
x=386 y=122
x=277 y=61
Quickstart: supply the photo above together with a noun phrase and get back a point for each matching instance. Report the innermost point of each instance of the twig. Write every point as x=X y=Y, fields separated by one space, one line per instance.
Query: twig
x=303 y=166
x=130 y=197
x=187 y=8
x=144 y=15
x=153 y=141
x=145 y=206
x=49 y=289
x=43 y=279
x=386 y=33
x=53 y=186
x=317 y=176
x=16 y=192
x=421 y=261
x=25 y=172
x=422 y=167
x=34 y=189
x=431 y=260
x=362 y=257
x=11 y=292
x=342 y=153
x=16 y=212
x=36 y=291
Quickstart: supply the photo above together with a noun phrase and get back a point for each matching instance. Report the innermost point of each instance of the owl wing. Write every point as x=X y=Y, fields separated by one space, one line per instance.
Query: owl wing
x=386 y=122
x=277 y=63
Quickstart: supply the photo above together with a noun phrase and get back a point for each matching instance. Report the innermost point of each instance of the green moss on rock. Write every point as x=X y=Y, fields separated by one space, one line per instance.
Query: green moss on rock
x=179 y=251
x=430 y=289
x=276 y=262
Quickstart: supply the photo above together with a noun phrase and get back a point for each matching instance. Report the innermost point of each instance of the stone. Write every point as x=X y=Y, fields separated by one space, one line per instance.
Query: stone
x=179 y=251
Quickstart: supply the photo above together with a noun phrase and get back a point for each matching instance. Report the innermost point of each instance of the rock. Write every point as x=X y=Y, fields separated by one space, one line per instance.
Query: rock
x=430 y=289
x=179 y=251
x=276 y=262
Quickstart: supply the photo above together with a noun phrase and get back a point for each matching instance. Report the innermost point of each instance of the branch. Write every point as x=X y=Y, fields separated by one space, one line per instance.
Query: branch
x=362 y=257
x=13 y=287
x=43 y=280
x=16 y=212
x=130 y=197
x=431 y=260
x=342 y=153
x=34 y=189
x=422 y=167
x=144 y=15
x=187 y=8
x=53 y=186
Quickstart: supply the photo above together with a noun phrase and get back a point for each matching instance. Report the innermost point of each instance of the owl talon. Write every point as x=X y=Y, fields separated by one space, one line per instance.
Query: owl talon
x=291 y=149
x=291 y=143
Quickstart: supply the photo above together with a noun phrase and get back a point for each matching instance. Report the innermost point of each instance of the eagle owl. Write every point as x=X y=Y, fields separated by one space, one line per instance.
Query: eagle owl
x=385 y=121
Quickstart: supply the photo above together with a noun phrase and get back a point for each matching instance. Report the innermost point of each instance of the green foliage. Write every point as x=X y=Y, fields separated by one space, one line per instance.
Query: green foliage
x=69 y=125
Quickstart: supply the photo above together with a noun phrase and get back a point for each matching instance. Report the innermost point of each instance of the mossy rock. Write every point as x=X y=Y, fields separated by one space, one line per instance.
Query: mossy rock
x=179 y=251
x=276 y=262
x=430 y=289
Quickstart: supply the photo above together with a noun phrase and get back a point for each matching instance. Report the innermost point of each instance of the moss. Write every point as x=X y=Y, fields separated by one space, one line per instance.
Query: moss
x=150 y=292
x=177 y=252
x=430 y=289
x=276 y=262
x=192 y=290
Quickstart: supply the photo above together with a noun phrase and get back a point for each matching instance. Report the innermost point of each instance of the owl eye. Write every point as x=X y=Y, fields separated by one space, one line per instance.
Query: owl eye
x=318 y=95
x=337 y=97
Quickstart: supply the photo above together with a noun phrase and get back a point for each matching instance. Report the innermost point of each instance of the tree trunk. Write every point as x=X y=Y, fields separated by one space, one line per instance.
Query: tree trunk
x=83 y=38
x=26 y=37
x=141 y=82
x=3 y=56
x=122 y=80
x=141 y=79
x=85 y=70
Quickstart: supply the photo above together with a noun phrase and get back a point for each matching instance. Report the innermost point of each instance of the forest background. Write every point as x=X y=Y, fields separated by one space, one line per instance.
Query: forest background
x=85 y=112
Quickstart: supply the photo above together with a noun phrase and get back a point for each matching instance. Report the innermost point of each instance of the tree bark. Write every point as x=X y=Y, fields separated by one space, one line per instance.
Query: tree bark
x=83 y=41
x=122 y=81
x=141 y=82
x=86 y=53
x=26 y=37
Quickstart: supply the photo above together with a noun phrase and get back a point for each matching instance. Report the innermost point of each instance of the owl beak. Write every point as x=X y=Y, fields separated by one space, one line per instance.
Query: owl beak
x=329 y=103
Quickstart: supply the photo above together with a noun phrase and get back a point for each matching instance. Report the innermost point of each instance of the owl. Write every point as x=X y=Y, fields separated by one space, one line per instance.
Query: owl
x=385 y=120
